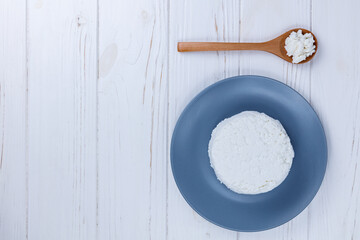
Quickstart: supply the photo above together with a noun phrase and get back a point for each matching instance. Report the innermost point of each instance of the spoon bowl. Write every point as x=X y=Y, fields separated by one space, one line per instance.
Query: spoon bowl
x=282 y=51
x=275 y=46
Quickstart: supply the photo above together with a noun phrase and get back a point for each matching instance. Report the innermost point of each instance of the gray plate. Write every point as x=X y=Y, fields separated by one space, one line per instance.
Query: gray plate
x=196 y=180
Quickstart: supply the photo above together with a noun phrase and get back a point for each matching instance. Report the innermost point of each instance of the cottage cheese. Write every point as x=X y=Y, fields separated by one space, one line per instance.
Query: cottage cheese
x=299 y=46
x=250 y=152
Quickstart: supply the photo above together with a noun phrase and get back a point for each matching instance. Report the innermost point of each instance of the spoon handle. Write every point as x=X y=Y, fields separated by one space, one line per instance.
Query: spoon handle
x=218 y=46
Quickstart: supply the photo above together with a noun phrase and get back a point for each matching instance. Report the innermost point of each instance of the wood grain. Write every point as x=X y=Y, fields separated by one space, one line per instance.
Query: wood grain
x=335 y=95
x=62 y=119
x=13 y=121
x=132 y=117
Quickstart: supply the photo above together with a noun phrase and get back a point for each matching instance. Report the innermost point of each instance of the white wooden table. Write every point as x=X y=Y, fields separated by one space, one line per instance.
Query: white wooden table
x=90 y=92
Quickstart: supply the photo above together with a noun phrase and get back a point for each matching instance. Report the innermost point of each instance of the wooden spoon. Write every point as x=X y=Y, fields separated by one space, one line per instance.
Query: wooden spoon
x=275 y=46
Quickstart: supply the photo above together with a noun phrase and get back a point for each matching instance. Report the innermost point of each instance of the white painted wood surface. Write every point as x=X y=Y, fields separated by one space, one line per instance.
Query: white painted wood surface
x=90 y=92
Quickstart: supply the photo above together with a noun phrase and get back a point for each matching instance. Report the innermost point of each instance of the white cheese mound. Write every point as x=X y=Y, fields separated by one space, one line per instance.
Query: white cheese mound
x=250 y=152
x=299 y=46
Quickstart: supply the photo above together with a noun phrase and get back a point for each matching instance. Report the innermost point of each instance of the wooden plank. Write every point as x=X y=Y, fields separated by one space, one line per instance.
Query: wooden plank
x=62 y=119
x=189 y=74
x=13 y=114
x=335 y=95
x=133 y=119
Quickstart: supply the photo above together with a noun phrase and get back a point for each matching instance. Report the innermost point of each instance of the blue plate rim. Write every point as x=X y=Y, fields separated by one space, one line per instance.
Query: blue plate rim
x=200 y=94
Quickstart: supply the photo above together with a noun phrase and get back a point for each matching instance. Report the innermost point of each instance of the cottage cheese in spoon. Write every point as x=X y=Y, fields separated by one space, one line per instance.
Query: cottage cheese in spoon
x=299 y=46
x=250 y=153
